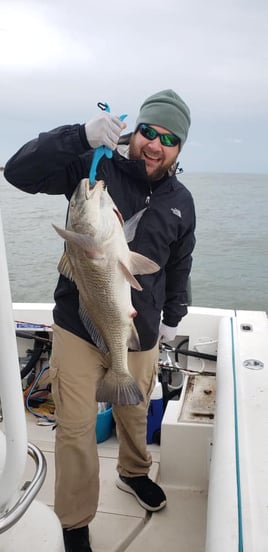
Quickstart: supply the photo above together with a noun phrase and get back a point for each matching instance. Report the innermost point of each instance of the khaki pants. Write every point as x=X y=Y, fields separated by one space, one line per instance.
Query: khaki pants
x=75 y=370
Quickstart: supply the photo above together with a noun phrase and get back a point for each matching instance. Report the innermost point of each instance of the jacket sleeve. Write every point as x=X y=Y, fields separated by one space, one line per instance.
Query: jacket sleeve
x=178 y=270
x=53 y=163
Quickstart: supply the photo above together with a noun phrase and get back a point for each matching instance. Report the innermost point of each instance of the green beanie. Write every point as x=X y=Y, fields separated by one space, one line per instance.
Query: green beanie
x=168 y=110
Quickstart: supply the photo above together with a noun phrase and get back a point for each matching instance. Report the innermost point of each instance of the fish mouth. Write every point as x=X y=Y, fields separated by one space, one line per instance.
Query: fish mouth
x=93 y=189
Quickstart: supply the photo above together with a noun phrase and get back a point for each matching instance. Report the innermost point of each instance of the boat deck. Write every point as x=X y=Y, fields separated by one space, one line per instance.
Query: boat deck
x=121 y=524
x=215 y=503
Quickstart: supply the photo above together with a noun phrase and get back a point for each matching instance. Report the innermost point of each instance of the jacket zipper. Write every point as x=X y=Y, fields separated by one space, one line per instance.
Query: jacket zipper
x=148 y=197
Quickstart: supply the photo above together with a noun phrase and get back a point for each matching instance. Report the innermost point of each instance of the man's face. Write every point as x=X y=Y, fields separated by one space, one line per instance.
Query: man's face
x=158 y=158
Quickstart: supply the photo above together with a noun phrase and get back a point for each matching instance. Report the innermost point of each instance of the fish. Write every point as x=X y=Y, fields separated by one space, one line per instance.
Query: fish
x=97 y=258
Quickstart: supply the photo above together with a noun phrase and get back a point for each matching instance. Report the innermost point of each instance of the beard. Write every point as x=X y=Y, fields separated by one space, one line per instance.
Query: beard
x=157 y=174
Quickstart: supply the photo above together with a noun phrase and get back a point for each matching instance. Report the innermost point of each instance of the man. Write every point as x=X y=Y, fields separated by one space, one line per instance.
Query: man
x=140 y=175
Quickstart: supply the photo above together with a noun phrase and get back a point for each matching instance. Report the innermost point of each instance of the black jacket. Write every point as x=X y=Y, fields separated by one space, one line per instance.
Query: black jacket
x=55 y=162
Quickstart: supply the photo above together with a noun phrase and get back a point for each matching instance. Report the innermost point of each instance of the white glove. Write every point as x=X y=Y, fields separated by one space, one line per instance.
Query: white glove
x=104 y=130
x=167 y=333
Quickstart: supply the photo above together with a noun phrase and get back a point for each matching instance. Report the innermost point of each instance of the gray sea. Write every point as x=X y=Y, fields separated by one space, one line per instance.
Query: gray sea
x=230 y=266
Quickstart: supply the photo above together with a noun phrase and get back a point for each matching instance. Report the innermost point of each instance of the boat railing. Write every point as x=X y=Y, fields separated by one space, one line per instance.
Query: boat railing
x=14 y=446
x=29 y=492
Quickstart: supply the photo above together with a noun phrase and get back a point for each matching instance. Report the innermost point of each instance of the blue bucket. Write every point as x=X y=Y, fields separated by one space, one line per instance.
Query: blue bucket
x=104 y=425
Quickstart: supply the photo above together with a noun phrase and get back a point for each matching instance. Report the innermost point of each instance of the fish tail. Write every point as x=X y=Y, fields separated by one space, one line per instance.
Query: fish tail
x=119 y=389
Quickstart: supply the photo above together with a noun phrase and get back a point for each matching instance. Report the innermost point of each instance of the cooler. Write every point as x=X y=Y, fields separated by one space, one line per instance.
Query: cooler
x=155 y=414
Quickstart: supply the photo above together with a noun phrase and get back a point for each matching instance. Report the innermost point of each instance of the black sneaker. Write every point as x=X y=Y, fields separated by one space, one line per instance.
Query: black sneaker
x=148 y=494
x=76 y=540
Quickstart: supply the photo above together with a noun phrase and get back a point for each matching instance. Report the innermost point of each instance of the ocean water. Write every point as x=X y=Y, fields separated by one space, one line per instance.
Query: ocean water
x=230 y=261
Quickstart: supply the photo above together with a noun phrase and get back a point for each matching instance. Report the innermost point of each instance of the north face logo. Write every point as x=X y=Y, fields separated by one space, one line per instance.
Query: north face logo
x=176 y=212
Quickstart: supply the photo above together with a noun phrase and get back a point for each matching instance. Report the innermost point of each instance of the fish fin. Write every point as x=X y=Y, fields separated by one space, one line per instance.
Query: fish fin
x=133 y=341
x=129 y=277
x=65 y=268
x=118 y=388
x=65 y=234
x=84 y=241
x=91 y=329
x=139 y=264
x=130 y=225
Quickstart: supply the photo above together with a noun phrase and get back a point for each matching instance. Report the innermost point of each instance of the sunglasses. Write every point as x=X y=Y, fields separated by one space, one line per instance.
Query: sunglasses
x=166 y=139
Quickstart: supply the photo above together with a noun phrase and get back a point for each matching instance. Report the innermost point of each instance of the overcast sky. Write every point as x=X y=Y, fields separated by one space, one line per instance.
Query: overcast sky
x=58 y=58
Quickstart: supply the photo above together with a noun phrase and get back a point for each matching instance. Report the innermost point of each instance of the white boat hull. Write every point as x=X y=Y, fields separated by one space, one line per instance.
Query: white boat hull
x=212 y=507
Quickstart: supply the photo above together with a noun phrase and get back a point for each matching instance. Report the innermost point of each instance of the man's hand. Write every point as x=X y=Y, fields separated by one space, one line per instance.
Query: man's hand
x=104 y=130
x=167 y=333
